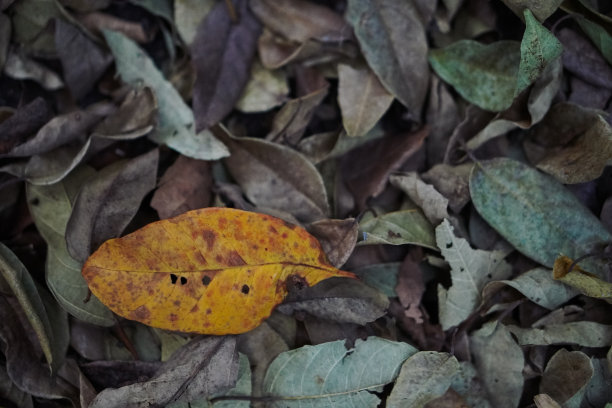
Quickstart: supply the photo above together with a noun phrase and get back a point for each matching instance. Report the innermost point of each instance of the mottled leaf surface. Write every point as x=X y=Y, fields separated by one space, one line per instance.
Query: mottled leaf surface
x=213 y=271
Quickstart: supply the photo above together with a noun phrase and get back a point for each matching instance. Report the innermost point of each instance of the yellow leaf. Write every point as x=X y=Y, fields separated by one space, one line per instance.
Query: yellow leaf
x=211 y=271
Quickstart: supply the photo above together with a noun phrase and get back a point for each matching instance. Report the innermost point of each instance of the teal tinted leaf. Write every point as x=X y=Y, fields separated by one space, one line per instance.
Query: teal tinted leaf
x=566 y=377
x=484 y=75
x=499 y=362
x=599 y=389
x=381 y=276
x=27 y=294
x=468 y=385
x=583 y=333
x=397 y=228
x=329 y=375
x=538 y=49
x=423 y=377
x=471 y=269
x=538 y=286
x=176 y=121
x=535 y=213
x=600 y=37
x=393 y=42
x=51 y=207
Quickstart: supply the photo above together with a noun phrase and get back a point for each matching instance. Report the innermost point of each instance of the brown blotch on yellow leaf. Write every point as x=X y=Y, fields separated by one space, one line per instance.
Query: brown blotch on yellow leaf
x=211 y=271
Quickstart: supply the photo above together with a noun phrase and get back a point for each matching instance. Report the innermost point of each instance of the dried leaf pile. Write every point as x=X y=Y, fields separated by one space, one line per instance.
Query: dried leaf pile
x=223 y=160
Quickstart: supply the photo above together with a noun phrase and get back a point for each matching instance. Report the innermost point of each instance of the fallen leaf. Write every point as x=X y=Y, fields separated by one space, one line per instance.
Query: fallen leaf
x=202 y=368
x=382 y=276
x=20 y=126
x=423 y=377
x=337 y=300
x=30 y=21
x=337 y=238
x=26 y=292
x=533 y=211
x=410 y=286
x=51 y=207
x=393 y=42
x=397 y=228
x=135 y=117
x=265 y=90
x=431 y=202
x=188 y=14
x=240 y=270
x=185 y=186
x=566 y=376
x=106 y=204
x=579 y=53
x=587 y=283
x=299 y=20
x=536 y=285
x=545 y=401
x=291 y=121
x=367 y=167
x=19 y=66
x=176 y=121
x=98 y=22
x=584 y=333
x=540 y=10
x=222 y=52
x=499 y=361
x=83 y=61
x=275 y=176
x=467 y=384
x=362 y=98
x=309 y=375
x=471 y=269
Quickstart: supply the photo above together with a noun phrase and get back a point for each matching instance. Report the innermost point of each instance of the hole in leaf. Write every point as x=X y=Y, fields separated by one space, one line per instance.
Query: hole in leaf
x=245 y=289
x=206 y=280
x=173 y=278
x=183 y=280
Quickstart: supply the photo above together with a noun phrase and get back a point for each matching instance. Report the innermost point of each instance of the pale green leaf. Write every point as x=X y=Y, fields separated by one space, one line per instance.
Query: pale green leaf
x=329 y=375
x=51 y=207
x=397 y=228
x=423 y=377
x=176 y=121
x=538 y=49
x=471 y=269
x=536 y=285
x=583 y=333
x=535 y=213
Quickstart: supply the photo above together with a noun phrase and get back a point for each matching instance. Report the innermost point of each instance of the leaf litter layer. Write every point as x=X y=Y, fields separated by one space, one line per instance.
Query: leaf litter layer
x=359 y=204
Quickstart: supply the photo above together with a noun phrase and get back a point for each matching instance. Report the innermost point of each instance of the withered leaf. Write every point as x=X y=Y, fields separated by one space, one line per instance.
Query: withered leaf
x=22 y=124
x=222 y=53
x=211 y=271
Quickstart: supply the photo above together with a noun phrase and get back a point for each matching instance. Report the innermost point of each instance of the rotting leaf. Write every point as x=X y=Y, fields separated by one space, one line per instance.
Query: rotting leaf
x=265 y=90
x=20 y=66
x=200 y=271
x=106 y=205
x=222 y=53
x=337 y=237
x=203 y=367
x=314 y=374
x=19 y=127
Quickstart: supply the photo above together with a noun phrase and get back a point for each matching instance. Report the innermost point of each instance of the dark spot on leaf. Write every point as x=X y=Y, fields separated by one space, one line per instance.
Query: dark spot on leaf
x=35 y=201
x=245 y=289
x=489 y=276
x=288 y=224
x=173 y=278
x=319 y=380
x=285 y=235
x=272 y=230
x=295 y=283
x=173 y=317
x=234 y=259
x=210 y=238
x=208 y=311
x=218 y=258
x=392 y=234
x=206 y=280
x=183 y=280
x=198 y=256
x=461 y=269
x=177 y=303
x=142 y=313
x=449 y=245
